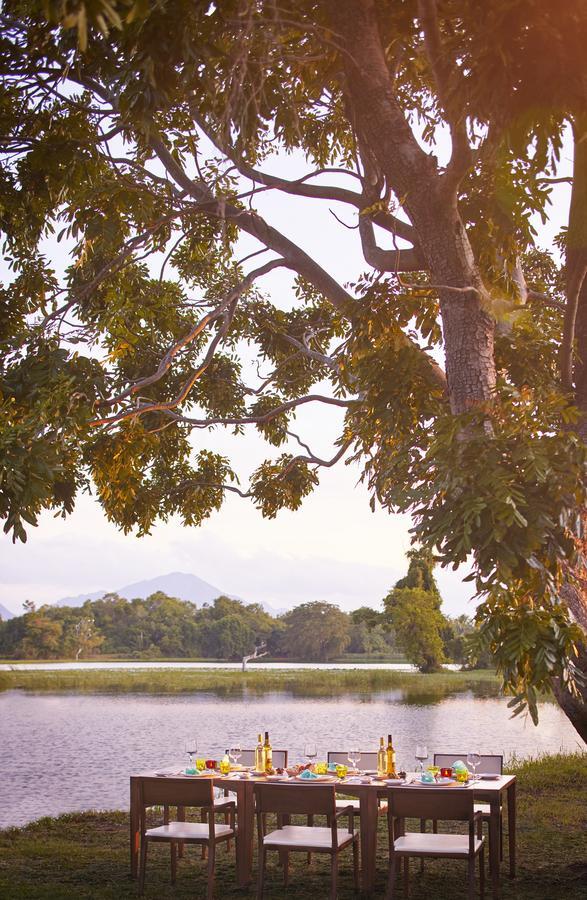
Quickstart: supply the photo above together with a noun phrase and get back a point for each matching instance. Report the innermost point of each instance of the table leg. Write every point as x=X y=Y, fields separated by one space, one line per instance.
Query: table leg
x=368 y=806
x=180 y=818
x=494 y=845
x=245 y=808
x=134 y=827
x=512 y=827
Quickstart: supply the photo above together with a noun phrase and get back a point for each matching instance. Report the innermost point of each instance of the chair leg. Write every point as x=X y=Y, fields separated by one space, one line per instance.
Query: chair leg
x=173 y=862
x=471 y=878
x=334 y=871
x=261 y=872
x=227 y=822
x=143 y=865
x=501 y=837
x=435 y=826
x=211 y=869
x=204 y=820
x=422 y=831
x=391 y=875
x=406 y=876
x=356 y=863
x=286 y=869
x=310 y=825
x=482 y=873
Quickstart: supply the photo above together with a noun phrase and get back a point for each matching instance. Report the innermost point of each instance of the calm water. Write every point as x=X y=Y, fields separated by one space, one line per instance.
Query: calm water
x=66 y=752
x=78 y=666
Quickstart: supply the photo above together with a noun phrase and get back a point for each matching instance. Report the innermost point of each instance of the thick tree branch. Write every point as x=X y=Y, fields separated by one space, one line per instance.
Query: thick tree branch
x=253 y=224
x=445 y=72
x=300 y=188
x=399 y=260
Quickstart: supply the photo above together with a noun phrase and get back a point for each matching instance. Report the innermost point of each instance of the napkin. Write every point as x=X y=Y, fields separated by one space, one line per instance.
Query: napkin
x=309 y=776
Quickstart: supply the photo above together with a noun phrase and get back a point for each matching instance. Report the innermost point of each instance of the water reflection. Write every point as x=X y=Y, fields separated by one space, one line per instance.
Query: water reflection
x=65 y=752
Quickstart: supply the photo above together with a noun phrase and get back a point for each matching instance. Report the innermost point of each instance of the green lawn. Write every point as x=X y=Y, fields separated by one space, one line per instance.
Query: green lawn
x=86 y=855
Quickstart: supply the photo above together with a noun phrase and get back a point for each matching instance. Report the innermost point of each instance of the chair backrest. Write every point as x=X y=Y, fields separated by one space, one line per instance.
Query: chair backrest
x=491 y=764
x=448 y=803
x=167 y=792
x=279 y=758
x=296 y=799
x=368 y=758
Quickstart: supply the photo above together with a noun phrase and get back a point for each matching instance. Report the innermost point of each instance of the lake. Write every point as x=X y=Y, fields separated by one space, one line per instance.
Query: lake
x=66 y=752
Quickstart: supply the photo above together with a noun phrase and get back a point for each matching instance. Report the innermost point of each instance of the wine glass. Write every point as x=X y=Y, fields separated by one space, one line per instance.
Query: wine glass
x=473 y=760
x=354 y=757
x=421 y=755
x=191 y=748
x=310 y=751
x=235 y=753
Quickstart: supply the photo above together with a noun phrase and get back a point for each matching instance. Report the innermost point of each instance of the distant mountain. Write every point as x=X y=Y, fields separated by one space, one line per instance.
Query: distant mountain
x=176 y=584
x=5 y=613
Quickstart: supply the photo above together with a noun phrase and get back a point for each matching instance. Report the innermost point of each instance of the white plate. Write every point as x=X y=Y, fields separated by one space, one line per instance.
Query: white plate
x=488 y=776
x=278 y=778
x=316 y=779
x=433 y=784
x=168 y=773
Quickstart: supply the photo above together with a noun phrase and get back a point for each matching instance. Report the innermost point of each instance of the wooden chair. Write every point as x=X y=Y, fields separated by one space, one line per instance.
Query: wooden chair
x=279 y=758
x=286 y=800
x=437 y=803
x=159 y=792
x=368 y=761
x=247 y=759
x=491 y=764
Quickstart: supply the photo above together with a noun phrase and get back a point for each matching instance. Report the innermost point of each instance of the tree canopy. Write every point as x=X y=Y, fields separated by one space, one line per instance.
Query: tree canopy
x=142 y=135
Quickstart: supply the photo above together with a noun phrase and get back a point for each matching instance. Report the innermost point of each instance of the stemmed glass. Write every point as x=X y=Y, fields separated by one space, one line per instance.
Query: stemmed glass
x=235 y=753
x=473 y=759
x=421 y=755
x=310 y=751
x=191 y=748
x=354 y=757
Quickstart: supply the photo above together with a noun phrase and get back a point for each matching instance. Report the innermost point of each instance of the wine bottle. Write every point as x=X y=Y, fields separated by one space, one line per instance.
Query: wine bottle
x=225 y=764
x=381 y=760
x=259 y=756
x=268 y=753
x=391 y=772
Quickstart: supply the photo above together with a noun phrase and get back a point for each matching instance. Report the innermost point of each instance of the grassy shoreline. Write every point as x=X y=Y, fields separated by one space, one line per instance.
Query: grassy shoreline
x=224 y=681
x=85 y=855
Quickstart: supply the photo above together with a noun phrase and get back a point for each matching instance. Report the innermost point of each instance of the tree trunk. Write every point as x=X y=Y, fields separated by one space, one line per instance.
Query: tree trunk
x=414 y=176
x=468 y=326
x=575 y=594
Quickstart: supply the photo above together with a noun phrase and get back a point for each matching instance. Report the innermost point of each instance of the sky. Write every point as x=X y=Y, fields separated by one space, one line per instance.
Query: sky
x=333 y=549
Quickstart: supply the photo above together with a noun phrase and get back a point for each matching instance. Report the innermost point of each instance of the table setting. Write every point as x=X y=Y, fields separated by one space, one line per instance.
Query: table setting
x=367 y=782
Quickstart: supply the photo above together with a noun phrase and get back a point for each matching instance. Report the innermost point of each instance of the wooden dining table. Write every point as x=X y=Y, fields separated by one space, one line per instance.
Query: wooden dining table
x=491 y=792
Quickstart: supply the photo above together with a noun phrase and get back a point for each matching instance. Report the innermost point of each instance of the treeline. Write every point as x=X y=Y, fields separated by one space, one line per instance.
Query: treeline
x=228 y=629
x=163 y=626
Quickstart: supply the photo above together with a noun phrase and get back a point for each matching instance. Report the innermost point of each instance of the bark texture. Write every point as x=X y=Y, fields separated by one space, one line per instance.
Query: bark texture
x=431 y=203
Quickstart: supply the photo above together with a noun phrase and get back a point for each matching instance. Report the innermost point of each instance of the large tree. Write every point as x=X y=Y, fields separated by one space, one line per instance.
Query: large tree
x=145 y=131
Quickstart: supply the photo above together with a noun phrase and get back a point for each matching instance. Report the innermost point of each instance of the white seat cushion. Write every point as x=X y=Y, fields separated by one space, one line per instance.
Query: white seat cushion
x=293 y=836
x=483 y=808
x=222 y=801
x=435 y=844
x=187 y=831
x=356 y=805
